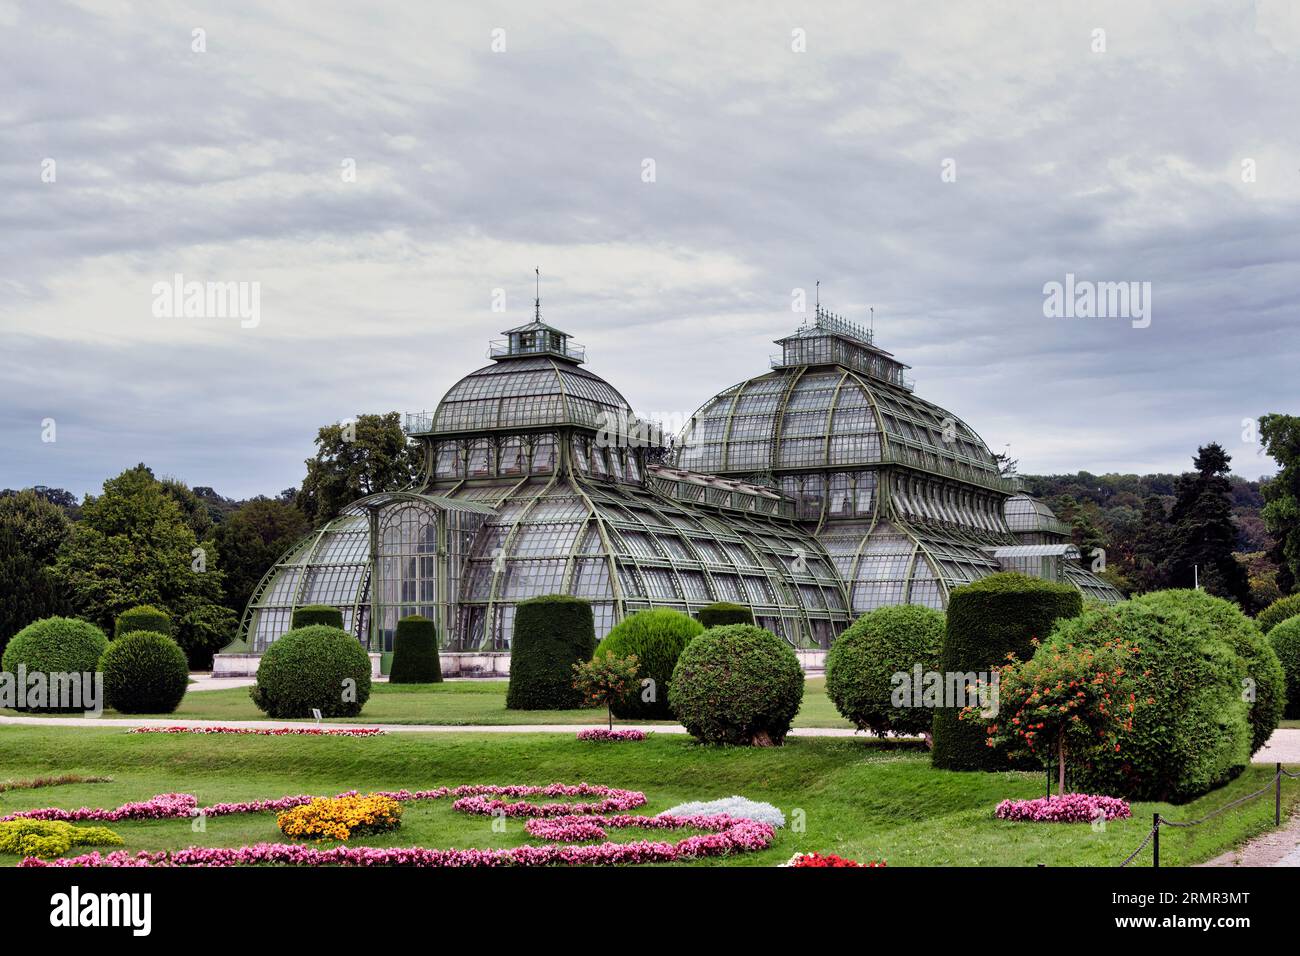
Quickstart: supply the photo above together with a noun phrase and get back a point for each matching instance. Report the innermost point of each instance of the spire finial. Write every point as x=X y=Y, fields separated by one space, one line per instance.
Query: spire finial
x=818 y=294
x=537 y=302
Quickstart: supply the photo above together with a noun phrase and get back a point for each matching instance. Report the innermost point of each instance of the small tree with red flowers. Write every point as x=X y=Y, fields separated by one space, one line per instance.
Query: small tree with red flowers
x=607 y=679
x=1065 y=700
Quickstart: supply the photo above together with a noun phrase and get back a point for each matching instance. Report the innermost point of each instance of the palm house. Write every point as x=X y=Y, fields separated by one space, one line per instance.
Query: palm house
x=814 y=492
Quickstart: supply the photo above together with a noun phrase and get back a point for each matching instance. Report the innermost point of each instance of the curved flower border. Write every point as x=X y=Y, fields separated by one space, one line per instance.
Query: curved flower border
x=604 y=734
x=266 y=732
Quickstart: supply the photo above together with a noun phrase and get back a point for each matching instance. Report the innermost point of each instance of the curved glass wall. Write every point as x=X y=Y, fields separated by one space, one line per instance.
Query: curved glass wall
x=528 y=392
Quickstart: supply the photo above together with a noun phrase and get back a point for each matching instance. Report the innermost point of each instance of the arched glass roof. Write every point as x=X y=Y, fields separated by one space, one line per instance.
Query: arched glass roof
x=1026 y=514
x=524 y=392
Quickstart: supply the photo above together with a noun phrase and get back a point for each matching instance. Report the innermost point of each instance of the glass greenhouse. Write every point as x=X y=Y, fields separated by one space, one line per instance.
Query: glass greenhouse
x=814 y=492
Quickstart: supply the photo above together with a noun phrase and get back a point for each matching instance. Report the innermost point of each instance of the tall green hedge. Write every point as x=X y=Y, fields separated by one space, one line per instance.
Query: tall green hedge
x=657 y=637
x=552 y=633
x=143 y=618
x=310 y=614
x=723 y=613
x=415 y=652
x=1277 y=612
x=987 y=620
x=1285 y=638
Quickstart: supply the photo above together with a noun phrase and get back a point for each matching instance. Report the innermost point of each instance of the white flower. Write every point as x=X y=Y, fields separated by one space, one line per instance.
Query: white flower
x=735 y=806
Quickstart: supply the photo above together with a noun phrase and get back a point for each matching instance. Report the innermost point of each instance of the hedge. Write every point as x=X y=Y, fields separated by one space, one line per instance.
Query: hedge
x=310 y=614
x=313 y=667
x=1191 y=730
x=145 y=672
x=723 y=613
x=862 y=663
x=55 y=645
x=1285 y=640
x=988 y=619
x=737 y=684
x=657 y=637
x=145 y=617
x=1280 y=610
x=415 y=652
x=552 y=633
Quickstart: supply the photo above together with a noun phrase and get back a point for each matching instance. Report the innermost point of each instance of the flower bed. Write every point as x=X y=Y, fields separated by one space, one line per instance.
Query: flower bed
x=604 y=734
x=735 y=806
x=1064 y=808
x=266 y=732
x=828 y=860
x=339 y=818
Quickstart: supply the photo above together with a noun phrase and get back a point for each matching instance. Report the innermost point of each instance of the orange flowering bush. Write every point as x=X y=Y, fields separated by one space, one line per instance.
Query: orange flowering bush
x=341 y=817
x=607 y=679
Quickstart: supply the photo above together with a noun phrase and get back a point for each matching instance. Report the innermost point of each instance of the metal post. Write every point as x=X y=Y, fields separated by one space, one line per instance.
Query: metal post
x=1049 y=782
x=1277 y=794
x=1155 y=840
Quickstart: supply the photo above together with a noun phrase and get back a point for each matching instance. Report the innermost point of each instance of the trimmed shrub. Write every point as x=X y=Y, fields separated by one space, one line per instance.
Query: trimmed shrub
x=1261 y=675
x=415 y=652
x=987 y=620
x=323 y=614
x=737 y=684
x=861 y=665
x=144 y=673
x=657 y=637
x=55 y=645
x=1191 y=731
x=1280 y=610
x=552 y=633
x=313 y=667
x=724 y=613
x=143 y=618
x=1285 y=638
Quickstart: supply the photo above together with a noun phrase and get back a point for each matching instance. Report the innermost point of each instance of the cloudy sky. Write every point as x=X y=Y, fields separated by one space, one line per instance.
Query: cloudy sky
x=380 y=169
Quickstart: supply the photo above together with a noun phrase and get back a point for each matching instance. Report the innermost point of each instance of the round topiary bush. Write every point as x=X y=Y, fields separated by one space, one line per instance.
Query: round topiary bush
x=724 y=613
x=552 y=633
x=657 y=637
x=1261 y=679
x=144 y=673
x=55 y=645
x=988 y=619
x=1280 y=610
x=862 y=663
x=323 y=614
x=737 y=684
x=1190 y=727
x=313 y=667
x=1285 y=639
x=143 y=618
x=415 y=652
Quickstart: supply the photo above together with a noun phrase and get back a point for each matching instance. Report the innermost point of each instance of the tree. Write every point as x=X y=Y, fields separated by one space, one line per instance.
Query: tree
x=607 y=679
x=1203 y=535
x=355 y=459
x=133 y=546
x=32 y=529
x=1150 y=548
x=1280 y=435
x=195 y=511
x=1084 y=532
x=250 y=541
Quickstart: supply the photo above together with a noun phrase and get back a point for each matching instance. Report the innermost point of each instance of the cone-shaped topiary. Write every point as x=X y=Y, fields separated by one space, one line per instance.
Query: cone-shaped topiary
x=145 y=617
x=862 y=663
x=657 y=637
x=144 y=673
x=310 y=614
x=737 y=684
x=313 y=667
x=1280 y=610
x=552 y=633
x=1285 y=638
x=723 y=613
x=56 y=645
x=415 y=652
x=988 y=619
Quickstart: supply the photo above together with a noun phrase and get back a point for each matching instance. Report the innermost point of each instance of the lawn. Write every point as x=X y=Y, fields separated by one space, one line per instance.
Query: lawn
x=856 y=797
x=457 y=703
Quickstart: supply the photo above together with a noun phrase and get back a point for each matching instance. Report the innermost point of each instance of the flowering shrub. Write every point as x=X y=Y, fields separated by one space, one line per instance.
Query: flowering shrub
x=608 y=680
x=265 y=732
x=828 y=859
x=51 y=837
x=565 y=829
x=600 y=733
x=737 y=807
x=1064 y=808
x=338 y=818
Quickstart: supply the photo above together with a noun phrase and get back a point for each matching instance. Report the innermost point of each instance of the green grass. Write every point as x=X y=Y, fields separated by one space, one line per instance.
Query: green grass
x=456 y=703
x=853 y=796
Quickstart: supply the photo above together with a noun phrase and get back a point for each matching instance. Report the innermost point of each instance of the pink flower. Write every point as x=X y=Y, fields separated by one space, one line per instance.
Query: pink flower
x=1064 y=808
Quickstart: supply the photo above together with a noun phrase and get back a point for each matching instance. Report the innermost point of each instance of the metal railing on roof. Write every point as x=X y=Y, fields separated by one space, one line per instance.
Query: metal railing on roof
x=501 y=348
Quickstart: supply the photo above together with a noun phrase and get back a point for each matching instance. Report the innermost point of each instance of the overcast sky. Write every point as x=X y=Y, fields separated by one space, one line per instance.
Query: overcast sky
x=1170 y=157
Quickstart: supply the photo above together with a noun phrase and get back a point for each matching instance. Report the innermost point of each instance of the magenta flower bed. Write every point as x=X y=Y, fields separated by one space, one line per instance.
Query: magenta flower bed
x=603 y=733
x=1064 y=808
x=266 y=732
